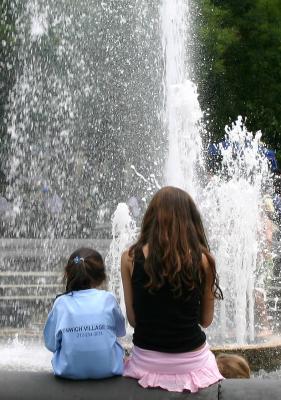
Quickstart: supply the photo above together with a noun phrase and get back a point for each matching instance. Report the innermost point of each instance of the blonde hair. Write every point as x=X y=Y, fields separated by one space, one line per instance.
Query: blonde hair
x=233 y=366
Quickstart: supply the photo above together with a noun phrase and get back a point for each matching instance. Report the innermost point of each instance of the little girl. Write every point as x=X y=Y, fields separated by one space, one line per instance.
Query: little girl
x=84 y=323
x=170 y=284
x=233 y=366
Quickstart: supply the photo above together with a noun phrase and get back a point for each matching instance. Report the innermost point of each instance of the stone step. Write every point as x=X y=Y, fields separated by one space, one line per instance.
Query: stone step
x=30 y=278
x=31 y=272
x=26 y=255
x=22 y=312
x=19 y=263
x=18 y=291
x=62 y=247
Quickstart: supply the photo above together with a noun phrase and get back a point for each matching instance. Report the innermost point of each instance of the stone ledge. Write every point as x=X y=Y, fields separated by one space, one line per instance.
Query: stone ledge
x=16 y=385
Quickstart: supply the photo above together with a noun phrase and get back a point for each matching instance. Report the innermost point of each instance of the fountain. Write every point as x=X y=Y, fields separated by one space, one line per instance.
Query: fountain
x=124 y=232
x=182 y=110
x=72 y=138
x=96 y=110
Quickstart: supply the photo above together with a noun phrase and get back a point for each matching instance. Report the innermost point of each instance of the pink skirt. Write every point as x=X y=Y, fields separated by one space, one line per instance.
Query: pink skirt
x=175 y=372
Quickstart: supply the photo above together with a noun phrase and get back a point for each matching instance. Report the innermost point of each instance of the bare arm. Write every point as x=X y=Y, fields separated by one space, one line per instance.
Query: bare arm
x=126 y=273
x=208 y=298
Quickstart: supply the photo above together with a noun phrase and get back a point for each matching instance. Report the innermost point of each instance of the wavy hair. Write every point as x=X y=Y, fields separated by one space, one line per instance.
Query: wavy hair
x=173 y=230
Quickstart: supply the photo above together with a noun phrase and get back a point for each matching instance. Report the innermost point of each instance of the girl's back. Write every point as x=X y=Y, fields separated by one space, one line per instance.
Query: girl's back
x=87 y=323
x=164 y=322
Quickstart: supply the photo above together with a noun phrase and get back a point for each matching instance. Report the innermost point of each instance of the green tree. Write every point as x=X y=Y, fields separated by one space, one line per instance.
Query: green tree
x=213 y=38
x=240 y=64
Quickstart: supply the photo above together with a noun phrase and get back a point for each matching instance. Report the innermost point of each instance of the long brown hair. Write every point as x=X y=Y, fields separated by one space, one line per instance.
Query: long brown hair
x=173 y=230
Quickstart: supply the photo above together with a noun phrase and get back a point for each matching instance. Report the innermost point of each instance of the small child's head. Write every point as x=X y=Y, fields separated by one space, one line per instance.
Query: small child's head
x=84 y=270
x=232 y=366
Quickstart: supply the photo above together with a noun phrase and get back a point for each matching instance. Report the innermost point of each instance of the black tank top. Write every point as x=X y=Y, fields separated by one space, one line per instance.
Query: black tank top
x=164 y=322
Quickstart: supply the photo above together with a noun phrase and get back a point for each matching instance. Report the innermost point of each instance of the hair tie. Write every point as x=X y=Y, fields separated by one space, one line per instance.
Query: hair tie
x=77 y=259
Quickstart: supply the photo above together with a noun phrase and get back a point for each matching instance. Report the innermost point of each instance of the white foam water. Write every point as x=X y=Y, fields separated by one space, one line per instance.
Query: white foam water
x=19 y=355
x=123 y=234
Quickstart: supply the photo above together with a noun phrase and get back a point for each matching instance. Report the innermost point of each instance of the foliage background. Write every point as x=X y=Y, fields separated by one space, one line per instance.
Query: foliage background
x=237 y=49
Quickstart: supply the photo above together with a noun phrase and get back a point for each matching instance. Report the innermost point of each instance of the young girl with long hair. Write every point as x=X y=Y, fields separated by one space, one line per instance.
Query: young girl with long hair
x=84 y=323
x=170 y=285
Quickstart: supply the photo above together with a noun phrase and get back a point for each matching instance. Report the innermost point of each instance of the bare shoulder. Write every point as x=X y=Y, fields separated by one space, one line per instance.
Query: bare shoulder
x=206 y=264
x=126 y=257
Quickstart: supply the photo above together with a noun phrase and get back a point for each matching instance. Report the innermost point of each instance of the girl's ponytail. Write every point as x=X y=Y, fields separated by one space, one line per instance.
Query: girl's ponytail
x=85 y=269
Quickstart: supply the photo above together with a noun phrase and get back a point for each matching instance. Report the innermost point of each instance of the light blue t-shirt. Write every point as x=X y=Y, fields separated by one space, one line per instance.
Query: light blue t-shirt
x=82 y=330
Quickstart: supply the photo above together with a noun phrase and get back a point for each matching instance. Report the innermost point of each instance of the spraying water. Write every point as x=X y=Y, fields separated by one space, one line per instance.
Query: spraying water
x=123 y=234
x=232 y=206
x=15 y=356
x=182 y=112
x=83 y=109
x=85 y=98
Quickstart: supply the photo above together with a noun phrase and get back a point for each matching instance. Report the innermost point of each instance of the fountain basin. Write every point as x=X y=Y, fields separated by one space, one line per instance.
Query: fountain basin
x=266 y=356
